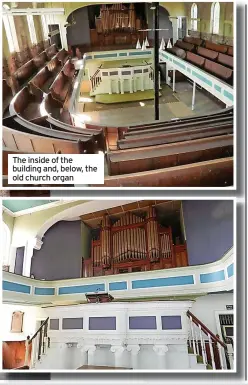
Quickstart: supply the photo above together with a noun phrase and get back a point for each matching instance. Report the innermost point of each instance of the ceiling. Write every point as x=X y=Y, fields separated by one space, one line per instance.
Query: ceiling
x=15 y=205
x=164 y=208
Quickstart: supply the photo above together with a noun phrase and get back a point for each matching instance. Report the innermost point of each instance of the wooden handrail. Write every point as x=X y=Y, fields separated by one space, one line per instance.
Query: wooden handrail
x=41 y=326
x=95 y=74
x=205 y=329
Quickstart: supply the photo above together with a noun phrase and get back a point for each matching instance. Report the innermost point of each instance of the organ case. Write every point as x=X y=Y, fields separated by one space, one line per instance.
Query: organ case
x=133 y=243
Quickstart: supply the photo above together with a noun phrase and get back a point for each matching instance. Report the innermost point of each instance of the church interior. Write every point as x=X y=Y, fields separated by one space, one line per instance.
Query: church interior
x=150 y=85
x=118 y=284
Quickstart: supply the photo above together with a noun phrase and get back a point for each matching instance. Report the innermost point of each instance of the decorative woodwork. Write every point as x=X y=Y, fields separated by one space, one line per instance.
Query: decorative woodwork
x=117 y=25
x=99 y=298
x=132 y=243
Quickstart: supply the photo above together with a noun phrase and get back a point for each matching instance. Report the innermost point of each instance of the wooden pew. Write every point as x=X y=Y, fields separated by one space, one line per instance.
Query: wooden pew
x=40 y=60
x=224 y=112
x=226 y=60
x=195 y=59
x=230 y=51
x=27 y=104
x=185 y=46
x=213 y=173
x=207 y=53
x=177 y=51
x=44 y=79
x=24 y=73
x=51 y=51
x=169 y=155
x=216 y=47
x=193 y=40
x=218 y=70
x=61 y=87
x=7 y=95
x=69 y=69
x=176 y=126
x=153 y=139
x=62 y=55
x=29 y=143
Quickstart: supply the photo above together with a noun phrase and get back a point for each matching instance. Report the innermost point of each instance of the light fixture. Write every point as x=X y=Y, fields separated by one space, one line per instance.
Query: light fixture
x=142 y=104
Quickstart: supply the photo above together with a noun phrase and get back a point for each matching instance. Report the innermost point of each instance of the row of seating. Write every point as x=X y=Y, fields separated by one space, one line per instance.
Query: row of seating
x=34 y=123
x=211 y=60
x=225 y=49
x=194 y=151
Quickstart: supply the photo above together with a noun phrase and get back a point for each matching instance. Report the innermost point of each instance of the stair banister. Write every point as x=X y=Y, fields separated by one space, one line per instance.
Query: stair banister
x=220 y=346
x=44 y=342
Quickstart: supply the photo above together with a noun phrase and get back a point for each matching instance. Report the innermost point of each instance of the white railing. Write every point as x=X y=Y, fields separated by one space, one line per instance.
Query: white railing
x=205 y=344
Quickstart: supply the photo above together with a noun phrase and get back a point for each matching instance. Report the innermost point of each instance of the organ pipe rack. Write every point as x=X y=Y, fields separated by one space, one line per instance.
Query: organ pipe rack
x=133 y=243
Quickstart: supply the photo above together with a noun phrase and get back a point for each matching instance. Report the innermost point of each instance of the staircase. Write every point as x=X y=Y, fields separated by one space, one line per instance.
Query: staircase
x=95 y=79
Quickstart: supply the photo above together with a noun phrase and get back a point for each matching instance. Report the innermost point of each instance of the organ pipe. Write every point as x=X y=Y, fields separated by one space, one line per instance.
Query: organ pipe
x=152 y=235
x=133 y=238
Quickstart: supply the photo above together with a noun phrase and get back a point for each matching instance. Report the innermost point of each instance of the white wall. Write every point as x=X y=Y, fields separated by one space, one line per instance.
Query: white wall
x=205 y=308
x=31 y=314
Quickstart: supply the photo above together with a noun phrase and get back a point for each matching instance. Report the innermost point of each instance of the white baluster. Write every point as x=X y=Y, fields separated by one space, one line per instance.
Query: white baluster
x=220 y=351
x=202 y=346
x=192 y=333
x=26 y=351
x=196 y=338
x=211 y=351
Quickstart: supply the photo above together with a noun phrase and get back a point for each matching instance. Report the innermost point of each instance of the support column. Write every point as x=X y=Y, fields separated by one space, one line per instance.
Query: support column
x=193 y=96
x=118 y=352
x=91 y=355
x=142 y=82
x=156 y=60
x=161 y=351
x=34 y=243
x=167 y=74
x=131 y=85
x=122 y=86
x=110 y=87
x=174 y=79
x=134 y=350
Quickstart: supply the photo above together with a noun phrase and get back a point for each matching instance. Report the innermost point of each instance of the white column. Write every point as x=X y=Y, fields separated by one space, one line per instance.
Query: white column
x=91 y=355
x=174 y=22
x=174 y=79
x=118 y=352
x=84 y=356
x=110 y=87
x=193 y=97
x=134 y=350
x=122 y=86
x=167 y=74
x=34 y=243
x=131 y=85
x=230 y=355
x=161 y=351
x=142 y=82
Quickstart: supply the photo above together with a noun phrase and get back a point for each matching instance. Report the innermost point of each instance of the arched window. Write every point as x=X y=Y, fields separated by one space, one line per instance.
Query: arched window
x=215 y=18
x=194 y=17
x=5 y=237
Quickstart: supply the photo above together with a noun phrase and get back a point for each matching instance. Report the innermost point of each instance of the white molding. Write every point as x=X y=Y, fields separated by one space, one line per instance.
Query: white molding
x=33 y=11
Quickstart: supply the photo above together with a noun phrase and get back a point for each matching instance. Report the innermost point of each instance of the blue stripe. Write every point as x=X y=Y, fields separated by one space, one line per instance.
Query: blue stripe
x=212 y=277
x=88 y=57
x=230 y=270
x=179 y=64
x=160 y=282
x=218 y=88
x=143 y=53
x=17 y=287
x=82 y=289
x=105 y=55
x=228 y=95
x=44 y=291
x=123 y=54
x=202 y=78
x=118 y=285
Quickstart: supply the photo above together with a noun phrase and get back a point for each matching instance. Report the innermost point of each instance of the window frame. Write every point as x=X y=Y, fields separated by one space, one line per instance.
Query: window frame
x=194 y=23
x=214 y=22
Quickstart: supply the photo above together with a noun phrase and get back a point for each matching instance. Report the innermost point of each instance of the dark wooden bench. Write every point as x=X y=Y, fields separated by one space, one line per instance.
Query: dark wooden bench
x=44 y=79
x=51 y=51
x=185 y=46
x=61 y=86
x=152 y=139
x=23 y=74
x=207 y=53
x=213 y=173
x=69 y=69
x=169 y=155
x=27 y=104
x=230 y=51
x=40 y=60
x=62 y=55
x=193 y=40
x=219 y=70
x=31 y=143
x=216 y=47
x=226 y=60
x=7 y=95
x=177 y=51
x=195 y=59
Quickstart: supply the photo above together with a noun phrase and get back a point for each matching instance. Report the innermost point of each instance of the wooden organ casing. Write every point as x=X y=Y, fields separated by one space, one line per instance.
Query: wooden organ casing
x=133 y=243
x=118 y=24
